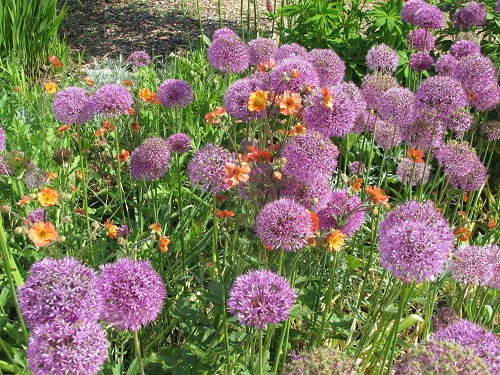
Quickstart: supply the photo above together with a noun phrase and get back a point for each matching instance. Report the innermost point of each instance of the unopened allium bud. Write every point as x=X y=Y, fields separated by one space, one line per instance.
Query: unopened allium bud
x=5 y=208
x=67 y=219
x=270 y=7
x=18 y=230
x=61 y=239
x=95 y=225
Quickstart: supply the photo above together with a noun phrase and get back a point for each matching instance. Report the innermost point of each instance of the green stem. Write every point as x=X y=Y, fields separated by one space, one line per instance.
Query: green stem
x=138 y=352
x=179 y=203
x=118 y=170
x=261 y=354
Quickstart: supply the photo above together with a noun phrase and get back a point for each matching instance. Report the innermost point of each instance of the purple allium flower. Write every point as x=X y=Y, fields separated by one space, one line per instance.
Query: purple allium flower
x=396 y=106
x=429 y=17
x=336 y=121
x=498 y=6
x=420 y=39
x=262 y=50
x=387 y=134
x=35 y=177
x=59 y=289
x=357 y=168
x=322 y=361
x=446 y=65
x=309 y=154
x=138 y=59
x=38 y=214
x=476 y=72
x=149 y=161
x=224 y=32
x=329 y=66
x=442 y=93
x=426 y=131
x=287 y=51
x=260 y=297
x=483 y=343
x=443 y=317
x=132 y=293
x=460 y=121
x=410 y=8
x=261 y=185
x=472 y=264
x=175 y=93
x=228 y=54
x=61 y=156
x=464 y=48
x=415 y=241
x=311 y=193
x=248 y=142
x=440 y=358
x=473 y=14
x=410 y=172
x=237 y=96
x=2 y=139
x=206 y=168
x=124 y=231
x=4 y=167
x=179 y=142
x=487 y=98
x=284 y=224
x=382 y=58
x=112 y=100
x=374 y=86
x=281 y=76
x=341 y=212
x=73 y=105
x=61 y=347
x=461 y=165
x=491 y=129
x=420 y=61
x=495 y=281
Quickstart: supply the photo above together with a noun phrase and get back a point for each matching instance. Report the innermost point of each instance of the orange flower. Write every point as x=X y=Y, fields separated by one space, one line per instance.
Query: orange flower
x=80 y=211
x=266 y=66
x=145 y=95
x=41 y=234
x=128 y=83
x=47 y=197
x=23 y=200
x=356 y=185
x=257 y=101
x=462 y=213
x=466 y=196
x=155 y=228
x=54 y=60
x=335 y=241
x=290 y=104
x=309 y=88
x=50 y=87
x=299 y=129
x=215 y=115
x=79 y=174
x=89 y=81
x=123 y=155
x=258 y=156
x=491 y=223
x=99 y=132
x=327 y=98
x=164 y=241
x=135 y=127
x=154 y=99
x=130 y=111
x=224 y=213
x=462 y=234
x=112 y=229
x=315 y=220
x=63 y=128
x=107 y=125
x=416 y=155
x=377 y=195
x=295 y=73
x=234 y=174
x=51 y=175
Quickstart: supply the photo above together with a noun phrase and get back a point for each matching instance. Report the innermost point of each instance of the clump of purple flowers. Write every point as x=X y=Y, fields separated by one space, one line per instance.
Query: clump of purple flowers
x=374 y=86
x=464 y=48
x=396 y=105
x=473 y=264
x=382 y=58
x=262 y=50
x=2 y=139
x=420 y=39
x=179 y=142
x=473 y=14
x=38 y=214
x=491 y=129
x=420 y=61
x=322 y=361
x=408 y=172
x=286 y=51
x=446 y=65
x=284 y=224
x=138 y=59
x=409 y=9
x=149 y=161
x=443 y=317
x=73 y=105
x=132 y=293
x=175 y=93
x=415 y=241
x=112 y=100
x=237 y=96
x=228 y=53
x=282 y=76
x=429 y=17
x=35 y=177
x=260 y=297
x=329 y=66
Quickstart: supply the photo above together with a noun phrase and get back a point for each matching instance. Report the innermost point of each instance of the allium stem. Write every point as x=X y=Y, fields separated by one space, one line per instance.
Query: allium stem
x=85 y=197
x=261 y=354
x=137 y=347
x=179 y=204
x=118 y=170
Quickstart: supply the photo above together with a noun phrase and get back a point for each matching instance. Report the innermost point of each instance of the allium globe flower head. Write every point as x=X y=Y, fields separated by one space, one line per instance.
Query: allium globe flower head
x=308 y=154
x=482 y=343
x=498 y=6
x=132 y=293
x=61 y=347
x=472 y=264
x=476 y=72
x=440 y=358
x=73 y=105
x=426 y=132
x=329 y=66
x=409 y=9
x=460 y=121
x=224 y=32
x=112 y=100
x=491 y=129
x=408 y=172
x=443 y=317
x=446 y=65
x=461 y=165
x=229 y=54
x=284 y=224
x=420 y=61
x=59 y=289
x=260 y=297
x=415 y=241
x=486 y=99
x=237 y=96
x=387 y=134
x=356 y=167
x=429 y=17
x=138 y=59
x=2 y=139
x=374 y=86
x=35 y=177
x=396 y=106
x=382 y=58
x=175 y=93
x=262 y=50
x=206 y=168
x=322 y=361
x=311 y=193
x=286 y=51
x=473 y=14
x=341 y=212
x=464 y=48
x=179 y=142
x=149 y=161
x=336 y=121
x=293 y=74
x=420 y=39
x=38 y=214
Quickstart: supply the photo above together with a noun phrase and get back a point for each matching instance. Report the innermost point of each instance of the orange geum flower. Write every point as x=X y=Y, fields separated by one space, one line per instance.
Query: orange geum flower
x=356 y=185
x=54 y=60
x=258 y=156
x=299 y=129
x=154 y=98
x=51 y=175
x=47 y=197
x=295 y=73
x=112 y=229
x=257 y=101
x=416 y=155
x=335 y=241
x=130 y=111
x=164 y=241
x=89 y=81
x=99 y=132
x=107 y=125
x=266 y=66
x=63 y=128
x=491 y=223
x=377 y=195
x=50 y=87
x=327 y=98
x=127 y=83
x=145 y=95
x=462 y=234
x=466 y=196
x=289 y=103
x=41 y=233
x=25 y=199
x=224 y=213
x=234 y=174
x=215 y=115
x=124 y=154
x=155 y=228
